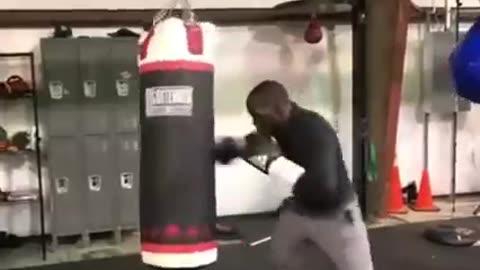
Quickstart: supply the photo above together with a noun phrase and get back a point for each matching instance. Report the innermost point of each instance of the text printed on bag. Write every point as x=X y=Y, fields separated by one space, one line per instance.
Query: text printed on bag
x=169 y=101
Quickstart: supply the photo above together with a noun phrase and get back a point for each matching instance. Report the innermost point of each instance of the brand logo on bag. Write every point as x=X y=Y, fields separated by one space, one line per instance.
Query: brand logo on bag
x=169 y=101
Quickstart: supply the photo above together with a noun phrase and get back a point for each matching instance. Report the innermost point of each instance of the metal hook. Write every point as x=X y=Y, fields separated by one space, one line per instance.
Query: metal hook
x=187 y=15
x=164 y=13
x=313 y=5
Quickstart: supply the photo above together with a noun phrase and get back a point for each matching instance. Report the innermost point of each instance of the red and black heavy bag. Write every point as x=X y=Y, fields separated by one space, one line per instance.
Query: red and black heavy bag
x=177 y=173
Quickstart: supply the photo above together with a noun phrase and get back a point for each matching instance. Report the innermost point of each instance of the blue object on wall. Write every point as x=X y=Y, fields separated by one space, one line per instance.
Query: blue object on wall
x=465 y=65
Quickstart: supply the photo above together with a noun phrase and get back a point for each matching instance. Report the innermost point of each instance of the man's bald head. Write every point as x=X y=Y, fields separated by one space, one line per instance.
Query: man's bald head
x=269 y=105
x=266 y=96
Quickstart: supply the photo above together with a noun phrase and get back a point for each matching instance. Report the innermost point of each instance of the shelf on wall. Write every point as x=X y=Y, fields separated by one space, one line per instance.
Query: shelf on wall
x=18 y=196
x=16 y=54
x=26 y=94
x=18 y=152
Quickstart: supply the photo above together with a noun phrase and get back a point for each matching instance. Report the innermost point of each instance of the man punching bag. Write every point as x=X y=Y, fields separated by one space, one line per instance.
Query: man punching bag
x=465 y=65
x=177 y=192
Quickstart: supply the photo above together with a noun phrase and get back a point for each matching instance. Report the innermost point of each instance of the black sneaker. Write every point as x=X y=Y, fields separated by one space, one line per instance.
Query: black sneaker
x=225 y=232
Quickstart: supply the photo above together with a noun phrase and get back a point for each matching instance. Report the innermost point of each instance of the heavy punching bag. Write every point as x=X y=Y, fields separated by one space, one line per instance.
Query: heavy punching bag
x=177 y=185
x=465 y=65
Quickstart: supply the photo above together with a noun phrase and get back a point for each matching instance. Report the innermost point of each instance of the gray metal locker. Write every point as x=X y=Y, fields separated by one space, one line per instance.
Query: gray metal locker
x=125 y=115
x=98 y=178
x=439 y=96
x=64 y=160
x=127 y=175
x=95 y=77
x=60 y=96
x=125 y=77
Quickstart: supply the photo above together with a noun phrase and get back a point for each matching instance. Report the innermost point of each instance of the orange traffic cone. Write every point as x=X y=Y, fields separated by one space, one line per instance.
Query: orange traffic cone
x=395 y=198
x=424 y=201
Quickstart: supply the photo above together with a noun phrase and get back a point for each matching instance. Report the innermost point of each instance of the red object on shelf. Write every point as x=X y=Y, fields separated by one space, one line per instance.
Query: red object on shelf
x=4 y=89
x=3 y=146
x=18 y=86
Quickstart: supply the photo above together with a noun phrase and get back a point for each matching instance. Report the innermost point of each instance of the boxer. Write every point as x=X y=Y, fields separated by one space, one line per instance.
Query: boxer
x=322 y=214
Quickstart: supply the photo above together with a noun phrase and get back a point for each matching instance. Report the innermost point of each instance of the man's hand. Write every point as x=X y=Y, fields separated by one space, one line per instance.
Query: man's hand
x=260 y=151
x=228 y=149
x=253 y=147
x=257 y=144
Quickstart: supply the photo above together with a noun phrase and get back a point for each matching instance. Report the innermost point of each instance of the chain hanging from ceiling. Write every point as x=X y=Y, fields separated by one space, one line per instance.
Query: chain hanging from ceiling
x=187 y=13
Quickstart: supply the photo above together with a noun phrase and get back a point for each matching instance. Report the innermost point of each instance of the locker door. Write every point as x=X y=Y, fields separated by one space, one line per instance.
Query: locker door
x=59 y=100
x=127 y=178
x=439 y=94
x=126 y=81
x=95 y=75
x=67 y=186
x=98 y=179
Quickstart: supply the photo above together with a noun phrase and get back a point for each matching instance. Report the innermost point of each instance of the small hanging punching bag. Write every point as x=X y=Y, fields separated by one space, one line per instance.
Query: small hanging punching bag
x=465 y=65
x=177 y=185
x=313 y=34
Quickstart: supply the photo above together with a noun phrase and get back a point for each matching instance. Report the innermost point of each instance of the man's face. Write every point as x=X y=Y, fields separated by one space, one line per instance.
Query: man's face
x=263 y=123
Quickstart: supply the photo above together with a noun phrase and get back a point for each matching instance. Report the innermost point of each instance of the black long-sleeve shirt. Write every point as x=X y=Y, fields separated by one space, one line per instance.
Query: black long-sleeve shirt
x=311 y=142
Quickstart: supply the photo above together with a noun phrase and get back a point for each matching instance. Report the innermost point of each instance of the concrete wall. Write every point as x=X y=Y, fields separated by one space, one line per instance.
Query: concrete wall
x=245 y=56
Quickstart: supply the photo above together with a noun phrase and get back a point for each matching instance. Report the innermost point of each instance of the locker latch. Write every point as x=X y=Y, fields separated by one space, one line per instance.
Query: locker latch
x=61 y=185
x=122 y=88
x=126 y=180
x=56 y=89
x=95 y=182
x=136 y=147
x=90 y=88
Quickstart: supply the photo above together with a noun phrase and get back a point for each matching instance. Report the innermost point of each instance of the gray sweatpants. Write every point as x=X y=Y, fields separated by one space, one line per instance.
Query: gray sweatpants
x=303 y=243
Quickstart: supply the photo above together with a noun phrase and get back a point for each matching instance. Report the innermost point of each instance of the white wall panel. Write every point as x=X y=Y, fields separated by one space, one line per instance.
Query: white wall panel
x=441 y=3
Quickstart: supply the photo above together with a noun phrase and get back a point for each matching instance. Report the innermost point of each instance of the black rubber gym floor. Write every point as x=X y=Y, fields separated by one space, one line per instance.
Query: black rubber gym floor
x=394 y=248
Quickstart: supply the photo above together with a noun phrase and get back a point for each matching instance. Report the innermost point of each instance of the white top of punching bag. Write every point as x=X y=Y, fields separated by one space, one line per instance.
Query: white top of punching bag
x=169 y=42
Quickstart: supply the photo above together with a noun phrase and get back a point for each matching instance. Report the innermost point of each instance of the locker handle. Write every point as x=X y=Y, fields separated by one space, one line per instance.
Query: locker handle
x=122 y=87
x=136 y=147
x=55 y=88
x=126 y=180
x=90 y=88
x=61 y=185
x=95 y=182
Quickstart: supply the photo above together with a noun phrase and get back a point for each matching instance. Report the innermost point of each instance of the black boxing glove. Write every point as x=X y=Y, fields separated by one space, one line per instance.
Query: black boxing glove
x=260 y=151
x=258 y=145
x=228 y=149
x=255 y=149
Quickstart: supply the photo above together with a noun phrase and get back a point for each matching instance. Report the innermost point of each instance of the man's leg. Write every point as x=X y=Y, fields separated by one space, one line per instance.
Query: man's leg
x=289 y=235
x=344 y=239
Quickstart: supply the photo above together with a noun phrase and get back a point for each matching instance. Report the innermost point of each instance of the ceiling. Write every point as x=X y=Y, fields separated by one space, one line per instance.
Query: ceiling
x=197 y=4
x=143 y=4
